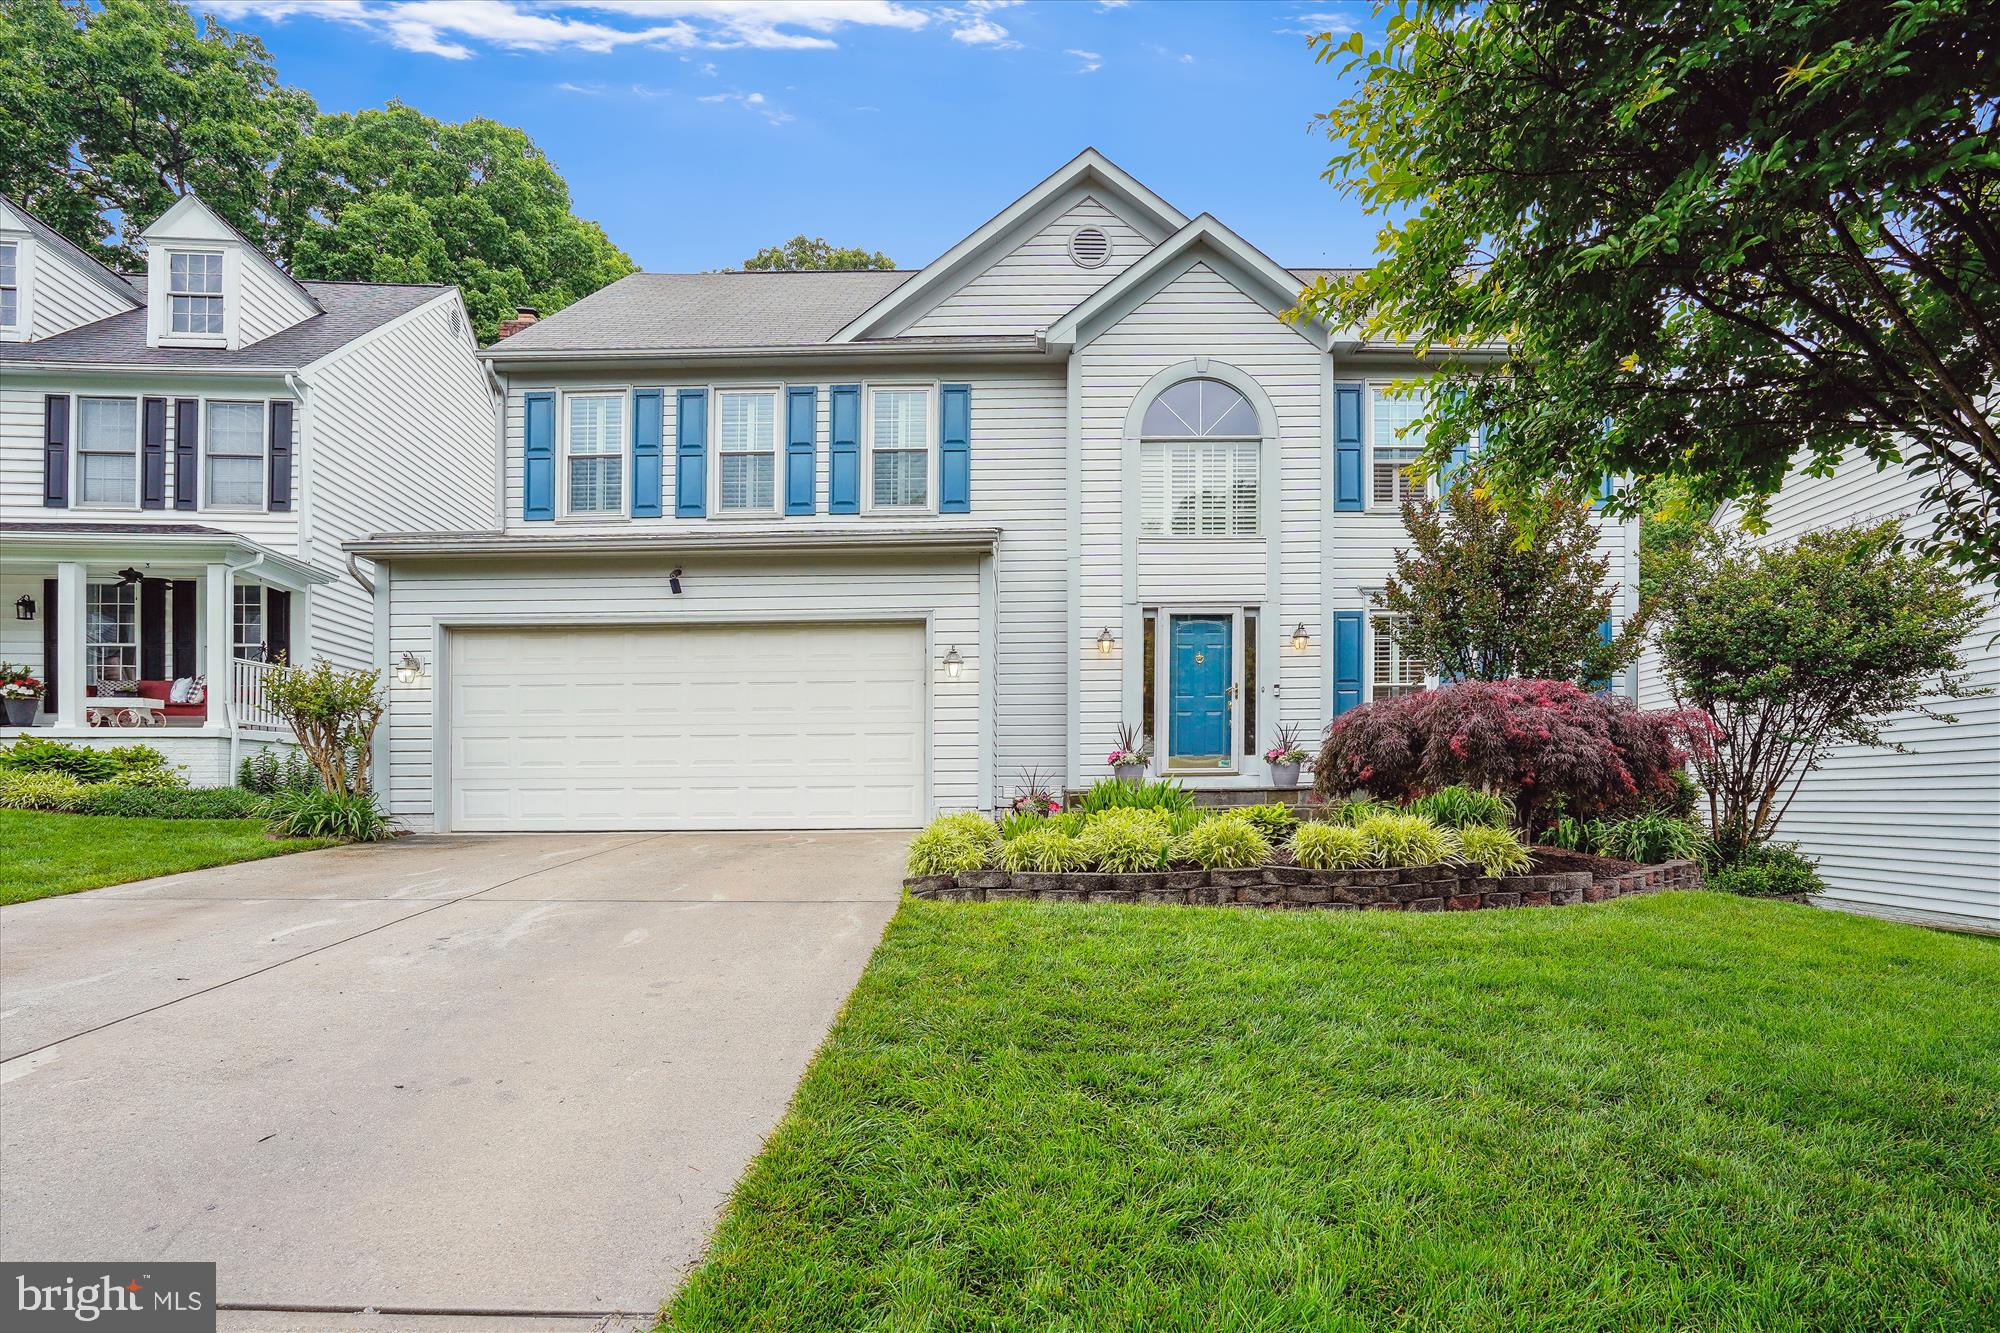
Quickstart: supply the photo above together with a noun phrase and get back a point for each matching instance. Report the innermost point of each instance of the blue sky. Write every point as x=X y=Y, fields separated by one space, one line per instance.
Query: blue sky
x=696 y=131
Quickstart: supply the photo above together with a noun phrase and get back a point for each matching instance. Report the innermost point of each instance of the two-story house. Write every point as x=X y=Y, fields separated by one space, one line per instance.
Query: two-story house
x=847 y=549
x=183 y=453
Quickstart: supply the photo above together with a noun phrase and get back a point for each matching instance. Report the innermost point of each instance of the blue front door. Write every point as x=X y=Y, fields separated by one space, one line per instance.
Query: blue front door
x=1198 y=690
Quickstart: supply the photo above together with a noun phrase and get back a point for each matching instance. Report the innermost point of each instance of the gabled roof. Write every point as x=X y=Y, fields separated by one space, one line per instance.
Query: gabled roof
x=673 y=311
x=1257 y=273
x=79 y=258
x=1089 y=168
x=348 y=310
x=173 y=224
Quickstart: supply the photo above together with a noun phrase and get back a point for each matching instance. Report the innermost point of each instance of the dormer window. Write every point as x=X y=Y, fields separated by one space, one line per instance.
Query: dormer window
x=10 y=284
x=194 y=292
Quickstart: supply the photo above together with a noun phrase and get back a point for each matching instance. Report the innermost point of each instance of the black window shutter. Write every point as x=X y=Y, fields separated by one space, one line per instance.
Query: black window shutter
x=187 y=441
x=49 y=643
x=55 y=451
x=185 y=625
x=277 y=624
x=153 y=456
x=280 y=455
x=152 y=629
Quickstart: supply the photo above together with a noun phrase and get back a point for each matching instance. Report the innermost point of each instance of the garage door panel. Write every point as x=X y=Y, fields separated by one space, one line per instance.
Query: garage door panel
x=808 y=726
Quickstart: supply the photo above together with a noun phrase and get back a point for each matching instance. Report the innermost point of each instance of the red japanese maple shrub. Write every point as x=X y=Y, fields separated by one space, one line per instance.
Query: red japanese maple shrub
x=1528 y=739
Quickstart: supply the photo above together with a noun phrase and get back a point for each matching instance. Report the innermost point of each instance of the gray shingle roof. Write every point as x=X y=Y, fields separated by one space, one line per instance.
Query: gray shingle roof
x=84 y=262
x=675 y=310
x=352 y=308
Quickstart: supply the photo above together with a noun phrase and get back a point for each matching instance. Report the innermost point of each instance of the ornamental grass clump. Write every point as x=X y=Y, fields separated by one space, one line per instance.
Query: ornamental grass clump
x=1651 y=838
x=974 y=825
x=1223 y=844
x=1461 y=807
x=1274 y=820
x=45 y=789
x=1320 y=846
x=1496 y=851
x=1398 y=841
x=951 y=846
x=1127 y=841
x=1045 y=850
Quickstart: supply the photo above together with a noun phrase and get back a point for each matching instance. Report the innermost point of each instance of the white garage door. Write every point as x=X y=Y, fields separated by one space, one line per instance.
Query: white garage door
x=683 y=727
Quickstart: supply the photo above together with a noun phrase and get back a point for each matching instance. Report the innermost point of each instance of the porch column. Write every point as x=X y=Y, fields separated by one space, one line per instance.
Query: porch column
x=218 y=605
x=71 y=589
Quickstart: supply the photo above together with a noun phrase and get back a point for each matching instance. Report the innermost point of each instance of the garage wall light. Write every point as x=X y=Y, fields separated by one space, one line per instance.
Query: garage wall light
x=953 y=664
x=1300 y=639
x=410 y=670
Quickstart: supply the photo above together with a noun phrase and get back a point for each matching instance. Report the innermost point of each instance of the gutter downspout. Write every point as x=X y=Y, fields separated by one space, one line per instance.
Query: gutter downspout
x=499 y=445
x=302 y=459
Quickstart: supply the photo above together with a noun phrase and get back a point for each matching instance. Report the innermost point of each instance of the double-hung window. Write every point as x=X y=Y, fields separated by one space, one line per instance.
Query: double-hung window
x=111 y=633
x=194 y=292
x=1397 y=441
x=107 y=452
x=235 y=448
x=899 y=448
x=1200 y=460
x=1394 y=671
x=247 y=621
x=595 y=430
x=747 y=446
x=10 y=284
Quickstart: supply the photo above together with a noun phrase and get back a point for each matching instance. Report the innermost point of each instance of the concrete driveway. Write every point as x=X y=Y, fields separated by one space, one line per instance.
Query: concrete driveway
x=461 y=1074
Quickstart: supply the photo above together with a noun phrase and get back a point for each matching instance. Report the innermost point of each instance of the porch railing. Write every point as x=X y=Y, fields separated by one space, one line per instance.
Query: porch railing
x=252 y=706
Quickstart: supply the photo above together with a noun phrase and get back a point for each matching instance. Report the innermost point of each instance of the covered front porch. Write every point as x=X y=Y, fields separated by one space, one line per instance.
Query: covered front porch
x=154 y=632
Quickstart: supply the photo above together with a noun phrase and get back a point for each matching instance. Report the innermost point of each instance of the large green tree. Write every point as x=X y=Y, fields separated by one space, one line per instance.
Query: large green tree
x=814 y=252
x=1720 y=240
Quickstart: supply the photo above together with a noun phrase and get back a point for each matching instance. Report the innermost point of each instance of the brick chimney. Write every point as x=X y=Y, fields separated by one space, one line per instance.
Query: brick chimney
x=524 y=315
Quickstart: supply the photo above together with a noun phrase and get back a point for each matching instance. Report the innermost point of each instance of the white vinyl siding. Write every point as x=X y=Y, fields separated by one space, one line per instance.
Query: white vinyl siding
x=1394 y=447
x=194 y=292
x=1037 y=283
x=234 y=449
x=746 y=451
x=594 y=453
x=107 y=452
x=899 y=447
x=1200 y=488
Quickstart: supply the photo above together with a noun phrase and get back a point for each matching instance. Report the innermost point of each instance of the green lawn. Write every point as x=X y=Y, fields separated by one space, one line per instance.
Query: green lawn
x=1680 y=1111
x=45 y=855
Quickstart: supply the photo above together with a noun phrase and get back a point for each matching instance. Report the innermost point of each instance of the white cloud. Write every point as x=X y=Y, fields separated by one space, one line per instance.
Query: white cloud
x=972 y=27
x=1091 y=60
x=1105 y=6
x=756 y=102
x=1312 y=25
x=453 y=28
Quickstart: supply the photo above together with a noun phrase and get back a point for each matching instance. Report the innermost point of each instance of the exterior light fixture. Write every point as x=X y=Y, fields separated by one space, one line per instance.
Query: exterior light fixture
x=953 y=664
x=1300 y=639
x=410 y=670
x=1105 y=643
x=24 y=609
x=674 y=581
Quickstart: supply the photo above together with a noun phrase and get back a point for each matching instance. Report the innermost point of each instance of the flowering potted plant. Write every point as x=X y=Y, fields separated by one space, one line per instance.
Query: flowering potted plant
x=1035 y=795
x=1128 y=759
x=23 y=693
x=1285 y=756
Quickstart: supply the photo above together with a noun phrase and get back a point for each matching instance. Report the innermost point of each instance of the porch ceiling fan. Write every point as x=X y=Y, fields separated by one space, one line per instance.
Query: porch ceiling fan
x=129 y=575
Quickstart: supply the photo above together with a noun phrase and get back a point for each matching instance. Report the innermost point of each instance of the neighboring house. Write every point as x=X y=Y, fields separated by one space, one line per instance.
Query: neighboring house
x=847 y=549
x=182 y=454
x=1916 y=833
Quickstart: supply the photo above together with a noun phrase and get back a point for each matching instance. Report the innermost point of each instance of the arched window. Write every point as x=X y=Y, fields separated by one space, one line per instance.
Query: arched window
x=1200 y=450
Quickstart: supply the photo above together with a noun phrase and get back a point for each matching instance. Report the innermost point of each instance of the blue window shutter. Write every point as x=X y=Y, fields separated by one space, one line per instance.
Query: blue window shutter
x=1607 y=486
x=646 y=453
x=955 y=449
x=801 y=448
x=1347 y=493
x=691 y=453
x=1607 y=632
x=538 y=456
x=1461 y=454
x=843 y=450
x=1346 y=661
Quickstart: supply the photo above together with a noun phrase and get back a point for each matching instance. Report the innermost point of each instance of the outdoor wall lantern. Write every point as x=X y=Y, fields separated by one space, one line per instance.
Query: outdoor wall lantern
x=674 y=581
x=1300 y=639
x=1105 y=643
x=953 y=663
x=410 y=670
x=24 y=609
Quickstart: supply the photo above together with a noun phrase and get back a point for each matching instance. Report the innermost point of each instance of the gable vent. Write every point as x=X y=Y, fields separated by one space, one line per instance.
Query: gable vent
x=1089 y=247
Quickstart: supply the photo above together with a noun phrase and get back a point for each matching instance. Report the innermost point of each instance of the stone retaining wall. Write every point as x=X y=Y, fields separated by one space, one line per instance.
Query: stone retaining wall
x=1424 y=889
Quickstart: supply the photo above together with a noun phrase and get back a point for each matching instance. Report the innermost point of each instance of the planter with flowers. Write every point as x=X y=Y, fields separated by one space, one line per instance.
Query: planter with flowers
x=1036 y=795
x=22 y=692
x=1286 y=756
x=1128 y=759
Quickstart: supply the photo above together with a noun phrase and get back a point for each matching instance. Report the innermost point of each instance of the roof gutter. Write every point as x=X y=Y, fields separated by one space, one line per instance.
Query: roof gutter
x=845 y=539
x=956 y=347
x=143 y=368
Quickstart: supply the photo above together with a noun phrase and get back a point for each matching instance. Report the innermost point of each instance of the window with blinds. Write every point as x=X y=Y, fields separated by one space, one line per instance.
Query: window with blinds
x=1397 y=442
x=1199 y=488
x=747 y=447
x=1393 y=673
x=595 y=427
x=899 y=448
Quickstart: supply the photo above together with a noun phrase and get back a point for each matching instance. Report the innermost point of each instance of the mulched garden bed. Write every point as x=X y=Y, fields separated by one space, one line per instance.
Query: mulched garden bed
x=1554 y=860
x=1420 y=889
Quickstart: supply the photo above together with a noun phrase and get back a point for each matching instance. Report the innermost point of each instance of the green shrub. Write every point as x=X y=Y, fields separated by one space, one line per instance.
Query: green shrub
x=1650 y=838
x=1322 y=846
x=1045 y=850
x=1769 y=870
x=110 y=798
x=1070 y=822
x=324 y=814
x=1681 y=798
x=1180 y=821
x=1275 y=820
x=1125 y=840
x=1462 y=807
x=34 y=754
x=1223 y=844
x=1496 y=851
x=42 y=789
x=1018 y=822
x=973 y=825
x=1357 y=811
x=951 y=845
x=1407 y=840
x=1112 y=794
x=1575 y=835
